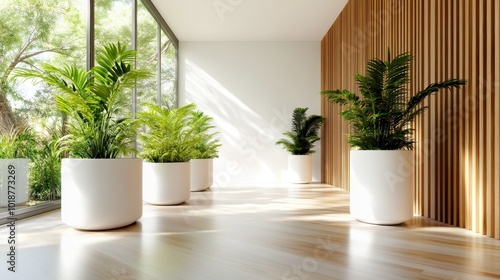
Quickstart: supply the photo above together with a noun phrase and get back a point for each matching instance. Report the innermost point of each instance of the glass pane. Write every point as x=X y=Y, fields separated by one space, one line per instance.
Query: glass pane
x=34 y=32
x=147 y=55
x=113 y=22
x=54 y=32
x=168 y=72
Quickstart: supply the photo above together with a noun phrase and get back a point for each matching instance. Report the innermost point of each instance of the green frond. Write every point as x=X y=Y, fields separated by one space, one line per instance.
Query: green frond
x=419 y=97
x=176 y=135
x=93 y=100
x=342 y=97
x=207 y=145
x=381 y=114
x=300 y=139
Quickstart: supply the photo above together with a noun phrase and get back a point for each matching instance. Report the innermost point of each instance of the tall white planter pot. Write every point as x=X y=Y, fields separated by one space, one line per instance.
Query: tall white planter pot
x=14 y=173
x=300 y=168
x=99 y=194
x=381 y=186
x=202 y=174
x=166 y=183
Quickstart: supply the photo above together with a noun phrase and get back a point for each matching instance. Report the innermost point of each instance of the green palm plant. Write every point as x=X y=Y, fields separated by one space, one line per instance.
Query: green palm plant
x=304 y=133
x=380 y=116
x=208 y=146
x=95 y=102
x=168 y=136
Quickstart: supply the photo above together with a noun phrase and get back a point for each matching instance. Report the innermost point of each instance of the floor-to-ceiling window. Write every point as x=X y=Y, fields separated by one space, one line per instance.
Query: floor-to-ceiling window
x=158 y=53
x=56 y=32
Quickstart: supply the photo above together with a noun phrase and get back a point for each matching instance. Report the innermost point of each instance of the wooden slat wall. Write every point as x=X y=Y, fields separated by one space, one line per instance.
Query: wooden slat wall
x=457 y=154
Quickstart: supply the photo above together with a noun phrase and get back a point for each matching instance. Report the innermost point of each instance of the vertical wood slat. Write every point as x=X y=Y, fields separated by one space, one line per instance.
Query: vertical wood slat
x=483 y=122
x=472 y=124
x=496 y=119
x=430 y=66
x=457 y=153
x=325 y=111
x=453 y=113
x=461 y=118
x=447 y=50
x=488 y=142
x=418 y=49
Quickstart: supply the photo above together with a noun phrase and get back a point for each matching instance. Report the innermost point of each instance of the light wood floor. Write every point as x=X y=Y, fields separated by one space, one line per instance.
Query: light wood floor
x=252 y=232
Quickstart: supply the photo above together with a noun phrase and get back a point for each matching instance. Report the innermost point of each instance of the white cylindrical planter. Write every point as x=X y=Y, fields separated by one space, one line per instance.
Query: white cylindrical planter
x=300 y=168
x=381 y=186
x=14 y=174
x=166 y=183
x=99 y=194
x=202 y=174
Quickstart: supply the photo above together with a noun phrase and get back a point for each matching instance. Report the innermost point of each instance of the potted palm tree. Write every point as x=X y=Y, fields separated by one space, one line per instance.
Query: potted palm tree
x=167 y=147
x=99 y=190
x=381 y=166
x=207 y=148
x=299 y=143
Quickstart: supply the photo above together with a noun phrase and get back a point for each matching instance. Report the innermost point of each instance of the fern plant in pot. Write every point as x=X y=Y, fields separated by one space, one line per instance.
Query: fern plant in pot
x=299 y=142
x=99 y=190
x=382 y=166
x=207 y=148
x=168 y=144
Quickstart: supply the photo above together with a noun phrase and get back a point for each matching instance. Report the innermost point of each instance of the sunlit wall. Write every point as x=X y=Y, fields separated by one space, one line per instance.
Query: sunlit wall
x=251 y=89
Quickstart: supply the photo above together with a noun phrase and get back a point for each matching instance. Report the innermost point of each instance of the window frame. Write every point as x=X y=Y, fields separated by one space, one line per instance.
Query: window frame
x=30 y=211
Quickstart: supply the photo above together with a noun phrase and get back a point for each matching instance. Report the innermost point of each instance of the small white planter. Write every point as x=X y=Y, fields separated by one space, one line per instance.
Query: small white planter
x=17 y=174
x=300 y=168
x=166 y=183
x=99 y=194
x=381 y=186
x=202 y=174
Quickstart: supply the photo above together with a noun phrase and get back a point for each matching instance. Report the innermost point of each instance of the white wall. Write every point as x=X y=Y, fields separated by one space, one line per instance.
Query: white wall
x=251 y=89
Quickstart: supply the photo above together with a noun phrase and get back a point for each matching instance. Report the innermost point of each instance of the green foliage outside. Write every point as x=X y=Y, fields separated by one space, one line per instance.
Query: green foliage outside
x=45 y=160
x=380 y=116
x=17 y=143
x=32 y=31
x=304 y=133
x=45 y=170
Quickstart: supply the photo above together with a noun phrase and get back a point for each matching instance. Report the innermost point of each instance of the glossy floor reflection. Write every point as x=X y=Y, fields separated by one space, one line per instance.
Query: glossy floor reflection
x=252 y=232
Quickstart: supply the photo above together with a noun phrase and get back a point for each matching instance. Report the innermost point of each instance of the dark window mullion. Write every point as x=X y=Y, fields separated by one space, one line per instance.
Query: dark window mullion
x=158 y=69
x=134 y=47
x=90 y=34
x=156 y=15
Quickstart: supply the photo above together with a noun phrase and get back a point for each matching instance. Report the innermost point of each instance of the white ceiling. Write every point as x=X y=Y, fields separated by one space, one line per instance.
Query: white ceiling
x=249 y=20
